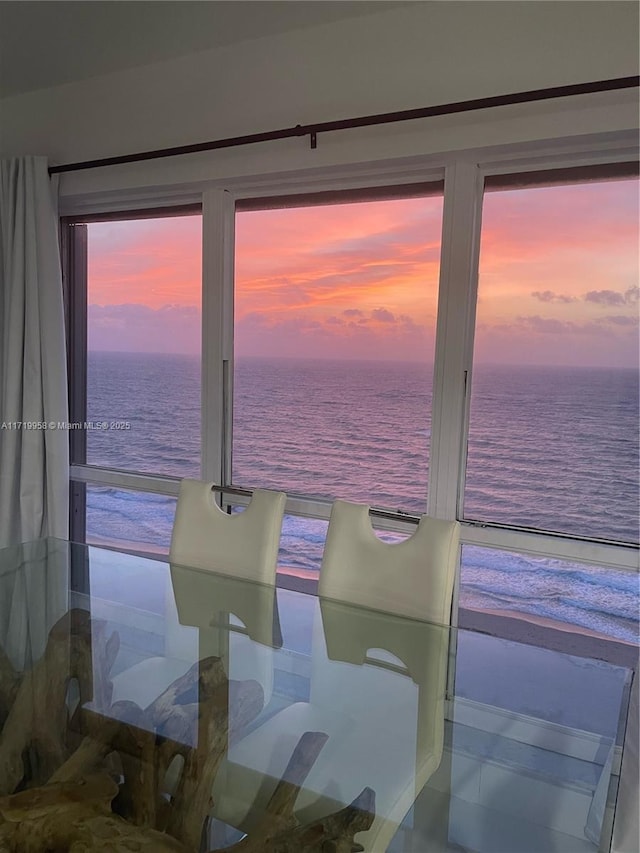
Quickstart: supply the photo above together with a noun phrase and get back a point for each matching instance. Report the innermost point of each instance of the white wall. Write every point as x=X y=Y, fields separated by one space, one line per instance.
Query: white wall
x=415 y=55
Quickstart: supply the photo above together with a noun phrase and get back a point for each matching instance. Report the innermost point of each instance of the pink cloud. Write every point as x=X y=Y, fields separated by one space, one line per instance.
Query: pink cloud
x=397 y=339
x=368 y=263
x=360 y=280
x=383 y=315
x=550 y=296
x=147 y=261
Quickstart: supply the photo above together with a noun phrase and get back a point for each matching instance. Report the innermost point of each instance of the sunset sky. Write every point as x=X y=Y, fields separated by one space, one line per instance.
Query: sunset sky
x=558 y=279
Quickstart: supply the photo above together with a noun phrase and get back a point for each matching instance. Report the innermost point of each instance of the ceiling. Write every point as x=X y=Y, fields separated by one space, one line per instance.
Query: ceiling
x=49 y=43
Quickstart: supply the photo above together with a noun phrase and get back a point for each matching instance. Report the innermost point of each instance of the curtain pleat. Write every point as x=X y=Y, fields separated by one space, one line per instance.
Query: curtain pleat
x=34 y=455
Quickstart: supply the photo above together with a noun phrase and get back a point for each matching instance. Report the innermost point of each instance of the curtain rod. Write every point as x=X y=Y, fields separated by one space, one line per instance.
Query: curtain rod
x=312 y=130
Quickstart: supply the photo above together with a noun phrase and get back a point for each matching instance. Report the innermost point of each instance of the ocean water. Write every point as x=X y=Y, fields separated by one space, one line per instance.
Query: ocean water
x=549 y=449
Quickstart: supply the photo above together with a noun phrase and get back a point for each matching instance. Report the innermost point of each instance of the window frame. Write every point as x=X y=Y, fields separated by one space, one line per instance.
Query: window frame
x=74 y=257
x=387 y=519
x=464 y=175
x=490 y=534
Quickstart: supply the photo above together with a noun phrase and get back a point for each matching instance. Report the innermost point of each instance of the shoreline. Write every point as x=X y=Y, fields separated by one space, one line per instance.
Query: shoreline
x=546 y=622
x=549 y=634
x=514 y=626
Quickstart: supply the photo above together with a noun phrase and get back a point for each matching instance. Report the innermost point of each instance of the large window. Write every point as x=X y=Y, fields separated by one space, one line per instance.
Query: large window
x=144 y=284
x=466 y=347
x=553 y=433
x=136 y=405
x=335 y=319
x=334 y=329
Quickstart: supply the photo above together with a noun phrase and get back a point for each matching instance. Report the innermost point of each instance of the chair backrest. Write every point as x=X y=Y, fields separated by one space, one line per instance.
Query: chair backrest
x=411 y=578
x=243 y=544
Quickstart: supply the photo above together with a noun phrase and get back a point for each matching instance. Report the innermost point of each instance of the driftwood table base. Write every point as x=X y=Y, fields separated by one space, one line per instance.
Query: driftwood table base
x=98 y=781
x=74 y=817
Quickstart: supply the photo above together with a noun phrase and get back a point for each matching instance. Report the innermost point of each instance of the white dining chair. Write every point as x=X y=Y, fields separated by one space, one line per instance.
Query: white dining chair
x=394 y=698
x=243 y=546
x=413 y=578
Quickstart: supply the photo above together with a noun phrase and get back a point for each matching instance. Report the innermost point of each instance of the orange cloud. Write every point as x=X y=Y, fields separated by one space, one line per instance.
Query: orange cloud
x=554 y=261
x=310 y=269
x=557 y=264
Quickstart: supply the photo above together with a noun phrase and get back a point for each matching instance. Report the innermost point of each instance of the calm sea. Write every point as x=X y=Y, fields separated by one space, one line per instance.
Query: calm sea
x=549 y=448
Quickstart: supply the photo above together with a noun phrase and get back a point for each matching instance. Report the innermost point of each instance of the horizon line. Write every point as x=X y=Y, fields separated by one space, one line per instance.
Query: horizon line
x=361 y=359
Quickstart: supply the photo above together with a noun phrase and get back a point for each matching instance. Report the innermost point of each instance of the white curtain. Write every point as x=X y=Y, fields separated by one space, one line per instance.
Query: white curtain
x=34 y=460
x=34 y=594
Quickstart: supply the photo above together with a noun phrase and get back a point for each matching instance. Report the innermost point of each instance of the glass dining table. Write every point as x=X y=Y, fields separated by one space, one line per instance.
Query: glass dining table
x=151 y=706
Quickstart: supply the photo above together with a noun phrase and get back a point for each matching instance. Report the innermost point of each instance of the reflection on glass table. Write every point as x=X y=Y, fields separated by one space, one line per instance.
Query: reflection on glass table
x=183 y=710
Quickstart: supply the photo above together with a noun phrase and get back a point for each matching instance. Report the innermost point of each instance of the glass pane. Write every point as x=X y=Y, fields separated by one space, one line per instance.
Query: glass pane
x=553 y=435
x=551 y=592
x=144 y=319
x=128 y=519
x=301 y=546
x=335 y=313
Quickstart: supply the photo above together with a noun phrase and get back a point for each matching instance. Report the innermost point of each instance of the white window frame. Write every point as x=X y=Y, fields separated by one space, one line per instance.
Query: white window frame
x=464 y=174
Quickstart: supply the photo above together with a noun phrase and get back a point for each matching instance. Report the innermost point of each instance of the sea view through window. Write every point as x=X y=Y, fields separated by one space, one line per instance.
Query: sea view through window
x=335 y=319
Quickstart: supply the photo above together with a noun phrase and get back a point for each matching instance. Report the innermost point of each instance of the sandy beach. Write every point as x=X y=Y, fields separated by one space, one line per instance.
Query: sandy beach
x=549 y=634
x=547 y=623
x=512 y=625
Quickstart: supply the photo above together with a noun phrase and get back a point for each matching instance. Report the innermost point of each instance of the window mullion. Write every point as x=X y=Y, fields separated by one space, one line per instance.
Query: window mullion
x=217 y=333
x=454 y=335
x=74 y=254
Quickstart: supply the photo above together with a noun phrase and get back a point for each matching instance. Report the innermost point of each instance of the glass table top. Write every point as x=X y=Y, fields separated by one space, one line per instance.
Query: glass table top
x=166 y=708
